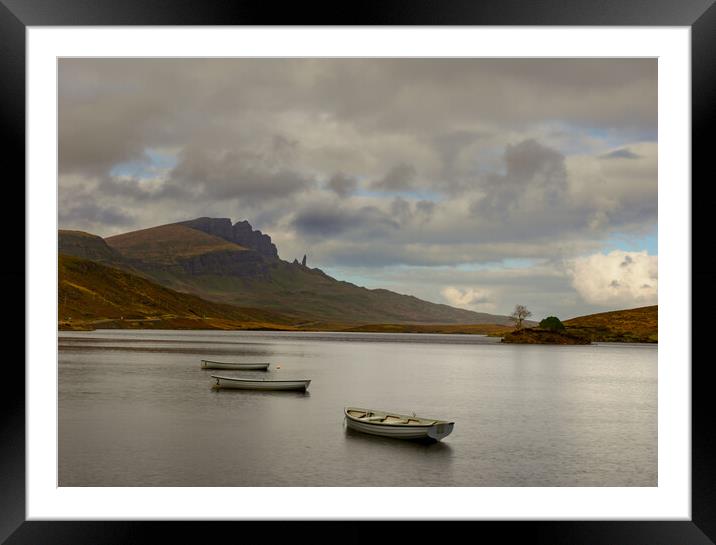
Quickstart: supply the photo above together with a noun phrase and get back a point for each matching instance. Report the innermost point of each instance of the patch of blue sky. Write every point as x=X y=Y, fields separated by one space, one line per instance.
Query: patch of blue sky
x=152 y=162
x=617 y=139
x=163 y=159
x=575 y=139
x=633 y=243
x=520 y=263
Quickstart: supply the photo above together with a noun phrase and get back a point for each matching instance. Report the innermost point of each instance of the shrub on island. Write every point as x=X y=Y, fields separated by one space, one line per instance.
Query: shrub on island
x=551 y=323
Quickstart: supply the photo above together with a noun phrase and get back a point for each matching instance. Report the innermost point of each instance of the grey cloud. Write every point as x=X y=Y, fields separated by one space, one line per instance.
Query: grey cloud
x=425 y=208
x=449 y=146
x=406 y=212
x=342 y=184
x=623 y=153
x=86 y=212
x=335 y=221
x=535 y=177
x=401 y=209
x=237 y=174
x=627 y=261
x=283 y=148
x=110 y=110
x=398 y=178
x=133 y=189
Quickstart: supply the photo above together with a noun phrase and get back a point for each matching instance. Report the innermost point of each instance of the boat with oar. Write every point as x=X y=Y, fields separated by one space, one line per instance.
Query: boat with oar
x=245 y=366
x=399 y=426
x=259 y=384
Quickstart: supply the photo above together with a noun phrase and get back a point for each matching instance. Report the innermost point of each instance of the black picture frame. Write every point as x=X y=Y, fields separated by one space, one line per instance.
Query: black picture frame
x=16 y=15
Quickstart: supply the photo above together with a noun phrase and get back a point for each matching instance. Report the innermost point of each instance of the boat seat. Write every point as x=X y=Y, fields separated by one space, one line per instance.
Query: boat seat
x=374 y=418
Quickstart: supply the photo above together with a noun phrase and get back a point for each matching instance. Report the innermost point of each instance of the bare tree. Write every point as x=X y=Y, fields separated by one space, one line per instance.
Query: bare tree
x=519 y=314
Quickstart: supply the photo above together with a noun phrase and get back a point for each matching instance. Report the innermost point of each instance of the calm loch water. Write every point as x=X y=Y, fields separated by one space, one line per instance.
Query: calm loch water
x=135 y=409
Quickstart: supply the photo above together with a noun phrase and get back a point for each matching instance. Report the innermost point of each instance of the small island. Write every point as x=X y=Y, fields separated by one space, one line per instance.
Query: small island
x=638 y=325
x=551 y=330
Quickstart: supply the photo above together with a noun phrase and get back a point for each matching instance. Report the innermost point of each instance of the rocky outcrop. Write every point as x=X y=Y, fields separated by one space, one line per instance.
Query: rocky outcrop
x=219 y=227
x=227 y=263
x=245 y=236
x=240 y=233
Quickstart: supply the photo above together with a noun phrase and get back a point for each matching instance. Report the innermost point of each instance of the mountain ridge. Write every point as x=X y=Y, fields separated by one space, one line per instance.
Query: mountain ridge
x=202 y=257
x=240 y=233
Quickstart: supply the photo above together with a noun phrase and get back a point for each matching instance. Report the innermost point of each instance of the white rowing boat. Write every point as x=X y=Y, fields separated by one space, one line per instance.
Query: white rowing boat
x=254 y=384
x=208 y=364
x=400 y=426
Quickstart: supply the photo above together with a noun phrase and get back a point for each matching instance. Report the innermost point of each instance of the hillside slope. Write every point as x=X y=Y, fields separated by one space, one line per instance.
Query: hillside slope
x=169 y=244
x=631 y=325
x=94 y=295
x=87 y=246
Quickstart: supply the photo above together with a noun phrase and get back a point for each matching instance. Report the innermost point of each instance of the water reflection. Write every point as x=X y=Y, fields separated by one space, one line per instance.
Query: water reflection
x=261 y=393
x=437 y=450
x=168 y=350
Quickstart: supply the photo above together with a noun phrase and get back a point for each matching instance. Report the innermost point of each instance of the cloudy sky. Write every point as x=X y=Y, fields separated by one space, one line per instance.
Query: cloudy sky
x=481 y=183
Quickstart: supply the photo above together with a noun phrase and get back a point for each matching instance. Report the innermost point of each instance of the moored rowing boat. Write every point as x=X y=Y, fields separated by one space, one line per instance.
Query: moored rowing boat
x=399 y=426
x=247 y=366
x=254 y=384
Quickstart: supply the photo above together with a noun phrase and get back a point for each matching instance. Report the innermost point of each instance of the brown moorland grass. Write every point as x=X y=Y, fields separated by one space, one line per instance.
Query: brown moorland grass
x=167 y=244
x=92 y=294
x=630 y=325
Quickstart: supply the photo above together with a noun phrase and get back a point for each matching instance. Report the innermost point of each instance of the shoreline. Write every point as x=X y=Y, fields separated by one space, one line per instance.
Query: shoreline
x=490 y=330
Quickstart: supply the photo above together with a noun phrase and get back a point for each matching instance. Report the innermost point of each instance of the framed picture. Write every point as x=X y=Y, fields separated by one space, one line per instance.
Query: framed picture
x=372 y=164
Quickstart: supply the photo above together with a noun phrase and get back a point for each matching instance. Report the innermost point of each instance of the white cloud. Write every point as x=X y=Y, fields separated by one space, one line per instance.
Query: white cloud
x=617 y=279
x=469 y=298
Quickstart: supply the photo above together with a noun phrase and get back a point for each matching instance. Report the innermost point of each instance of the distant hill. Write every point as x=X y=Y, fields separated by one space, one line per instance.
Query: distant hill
x=234 y=264
x=632 y=325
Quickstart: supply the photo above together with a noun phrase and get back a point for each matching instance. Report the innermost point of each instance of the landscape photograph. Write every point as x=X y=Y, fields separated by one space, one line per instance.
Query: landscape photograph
x=381 y=272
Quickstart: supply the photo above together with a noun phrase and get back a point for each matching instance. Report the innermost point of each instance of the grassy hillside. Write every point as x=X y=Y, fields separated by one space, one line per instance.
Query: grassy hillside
x=94 y=295
x=309 y=293
x=632 y=325
x=168 y=244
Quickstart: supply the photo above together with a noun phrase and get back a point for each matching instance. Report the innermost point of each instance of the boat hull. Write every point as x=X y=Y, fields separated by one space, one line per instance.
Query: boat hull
x=429 y=432
x=265 y=385
x=207 y=364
